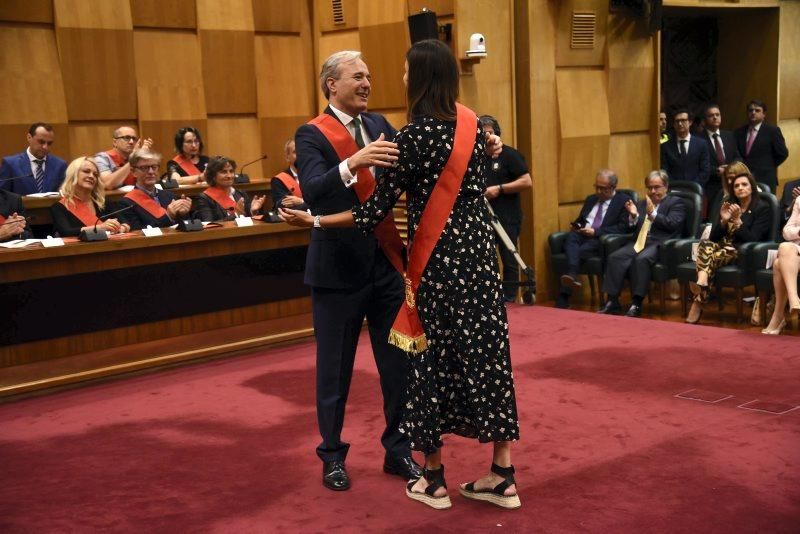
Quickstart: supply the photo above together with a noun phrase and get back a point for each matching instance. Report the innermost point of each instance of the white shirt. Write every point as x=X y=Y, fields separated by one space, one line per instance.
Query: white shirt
x=33 y=158
x=688 y=141
x=719 y=137
x=344 y=169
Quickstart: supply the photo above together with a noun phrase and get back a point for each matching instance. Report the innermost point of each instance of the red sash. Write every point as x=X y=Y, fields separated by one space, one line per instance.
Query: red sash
x=187 y=165
x=220 y=197
x=407 y=332
x=291 y=184
x=116 y=157
x=81 y=210
x=147 y=203
x=345 y=146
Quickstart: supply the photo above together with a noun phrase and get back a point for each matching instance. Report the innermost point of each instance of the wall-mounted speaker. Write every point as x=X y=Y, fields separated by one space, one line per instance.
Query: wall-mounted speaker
x=423 y=26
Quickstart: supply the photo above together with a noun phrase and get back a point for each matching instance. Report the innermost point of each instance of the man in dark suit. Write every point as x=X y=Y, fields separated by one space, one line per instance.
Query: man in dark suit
x=655 y=219
x=350 y=275
x=761 y=145
x=685 y=156
x=283 y=194
x=722 y=149
x=602 y=213
x=36 y=170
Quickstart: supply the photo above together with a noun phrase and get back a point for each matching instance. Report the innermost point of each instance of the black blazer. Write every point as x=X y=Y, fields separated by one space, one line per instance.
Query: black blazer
x=66 y=224
x=207 y=209
x=669 y=221
x=755 y=226
x=615 y=220
x=337 y=258
x=278 y=191
x=138 y=218
x=731 y=151
x=11 y=203
x=768 y=151
x=695 y=166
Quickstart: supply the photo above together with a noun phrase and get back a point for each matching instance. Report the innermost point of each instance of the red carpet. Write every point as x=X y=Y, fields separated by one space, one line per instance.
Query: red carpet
x=606 y=446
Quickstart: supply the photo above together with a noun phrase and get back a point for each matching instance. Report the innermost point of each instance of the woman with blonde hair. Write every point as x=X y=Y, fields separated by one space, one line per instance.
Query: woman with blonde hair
x=83 y=201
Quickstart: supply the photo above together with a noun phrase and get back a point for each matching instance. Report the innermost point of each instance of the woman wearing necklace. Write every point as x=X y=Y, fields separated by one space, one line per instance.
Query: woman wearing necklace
x=189 y=164
x=220 y=201
x=83 y=202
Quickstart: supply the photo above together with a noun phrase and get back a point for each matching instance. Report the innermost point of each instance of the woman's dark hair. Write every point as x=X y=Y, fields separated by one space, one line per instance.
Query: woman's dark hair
x=754 y=196
x=432 y=80
x=215 y=165
x=488 y=120
x=181 y=133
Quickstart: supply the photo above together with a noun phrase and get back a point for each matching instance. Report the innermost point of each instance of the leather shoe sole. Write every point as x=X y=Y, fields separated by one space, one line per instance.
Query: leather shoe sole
x=569 y=281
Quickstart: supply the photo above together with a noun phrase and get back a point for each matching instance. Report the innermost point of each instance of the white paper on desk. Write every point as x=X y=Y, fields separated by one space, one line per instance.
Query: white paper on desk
x=771 y=255
x=152 y=232
x=244 y=221
x=52 y=242
x=49 y=194
x=20 y=243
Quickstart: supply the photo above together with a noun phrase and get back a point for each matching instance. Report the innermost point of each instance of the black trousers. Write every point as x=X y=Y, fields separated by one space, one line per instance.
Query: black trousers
x=625 y=261
x=338 y=317
x=510 y=265
x=576 y=247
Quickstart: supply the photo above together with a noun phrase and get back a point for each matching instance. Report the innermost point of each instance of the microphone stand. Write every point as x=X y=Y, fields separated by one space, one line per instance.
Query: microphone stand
x=242 y=178
x=93 y=235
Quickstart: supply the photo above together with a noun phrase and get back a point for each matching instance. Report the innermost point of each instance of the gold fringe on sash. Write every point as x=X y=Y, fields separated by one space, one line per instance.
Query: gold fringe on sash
x=413 y=345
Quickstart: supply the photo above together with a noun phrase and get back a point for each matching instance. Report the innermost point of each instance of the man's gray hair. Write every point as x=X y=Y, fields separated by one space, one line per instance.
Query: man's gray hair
x=658 y=173
x=611 y=175
x=330 y=69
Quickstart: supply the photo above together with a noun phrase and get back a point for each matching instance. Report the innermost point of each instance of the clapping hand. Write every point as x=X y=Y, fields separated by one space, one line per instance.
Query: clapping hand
x=630 y=205
x=299 y=218
x=494 y=145
x=257 y=203
x=291 y=201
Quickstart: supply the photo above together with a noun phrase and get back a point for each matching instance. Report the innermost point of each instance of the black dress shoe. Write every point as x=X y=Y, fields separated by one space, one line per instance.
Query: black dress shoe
x=634 y=311
x=562 y=302
x=403 y=466
x=611 y=308
x=334 y=476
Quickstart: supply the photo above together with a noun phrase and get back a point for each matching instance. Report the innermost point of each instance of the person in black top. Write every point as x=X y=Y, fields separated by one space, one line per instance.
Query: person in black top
x=12 y=217
x=761 y=145
x=83 y=202
x=506 y=177
x=189 y=164
x=221 y=202
x=281 y=193
x=742 y=219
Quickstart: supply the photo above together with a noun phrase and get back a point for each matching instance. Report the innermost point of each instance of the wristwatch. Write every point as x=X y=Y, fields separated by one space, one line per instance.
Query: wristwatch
x=317 y=223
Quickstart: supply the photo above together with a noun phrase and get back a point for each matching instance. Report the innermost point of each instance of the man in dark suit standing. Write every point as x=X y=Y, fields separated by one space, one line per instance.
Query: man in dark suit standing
x=685 y=156
x=655 y=219
x=602 y=213
x=36 y=170
x=352 y=276
x=722 y=149
x=761 y=145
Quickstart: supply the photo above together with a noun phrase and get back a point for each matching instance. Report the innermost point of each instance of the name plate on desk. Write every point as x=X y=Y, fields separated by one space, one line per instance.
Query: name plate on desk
x=244 y=221
x=52 y=242
x=152 y=232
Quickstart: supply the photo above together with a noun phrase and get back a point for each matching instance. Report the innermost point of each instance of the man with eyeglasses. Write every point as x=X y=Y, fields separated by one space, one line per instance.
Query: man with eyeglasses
x=115 y=171
x=761 y=145
x=35 y=169
x=722 y=149
x=685 y=156
x=654 y=220
x=602 y=213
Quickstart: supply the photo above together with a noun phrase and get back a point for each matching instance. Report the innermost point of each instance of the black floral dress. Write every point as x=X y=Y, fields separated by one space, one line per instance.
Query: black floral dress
x=462 y=384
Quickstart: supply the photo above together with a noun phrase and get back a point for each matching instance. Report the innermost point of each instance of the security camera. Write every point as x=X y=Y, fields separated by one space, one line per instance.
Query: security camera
x=477 y=45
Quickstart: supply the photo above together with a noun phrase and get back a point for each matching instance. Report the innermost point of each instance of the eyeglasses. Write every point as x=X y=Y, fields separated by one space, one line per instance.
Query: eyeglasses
x=128 y=138
x=603 y=187
x=147 y=168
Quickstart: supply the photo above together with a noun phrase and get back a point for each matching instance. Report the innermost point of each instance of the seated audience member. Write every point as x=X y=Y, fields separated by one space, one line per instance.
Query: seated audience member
x=602 y=213
x=285 y=187
x=83 y=202
x=151 y=206
x=742 y=219
x=722 y=149
x=115 y=169
x=189 y=162
x=654 y=220
x=34 y=169
x=220 y=201
x=784 y=274
x=12 y=217
x=685 y=156
x=761 y=145
x=791 y=190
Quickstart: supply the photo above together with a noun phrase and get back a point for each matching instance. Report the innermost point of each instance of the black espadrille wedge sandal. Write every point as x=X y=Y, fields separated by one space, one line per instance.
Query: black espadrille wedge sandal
x=435 y=479
x=495 y=495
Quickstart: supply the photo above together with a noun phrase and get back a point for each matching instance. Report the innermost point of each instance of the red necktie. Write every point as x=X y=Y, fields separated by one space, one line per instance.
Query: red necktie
x=718 y=148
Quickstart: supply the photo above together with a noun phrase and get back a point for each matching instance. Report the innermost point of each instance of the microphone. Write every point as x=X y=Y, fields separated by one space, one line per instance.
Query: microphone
x=94 y=234
x=11 y=178
x=242 y=178
x=167 y=181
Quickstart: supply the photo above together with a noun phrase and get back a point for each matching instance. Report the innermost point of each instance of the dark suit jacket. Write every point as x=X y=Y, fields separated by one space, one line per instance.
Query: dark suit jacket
x=66 y=224
x=10 y=204
x=615 y=220
x=138 y=218
x=337 y=258
x=755 y=226
x=768 y=151
x=731 y=151
x=693 y=167
x=207 y=209
x=668 y=224
x=20 y=165
x=279 y=191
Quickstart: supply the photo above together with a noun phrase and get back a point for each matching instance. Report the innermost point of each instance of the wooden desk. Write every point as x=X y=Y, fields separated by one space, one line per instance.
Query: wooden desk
x=91 y=309
x=39 y=207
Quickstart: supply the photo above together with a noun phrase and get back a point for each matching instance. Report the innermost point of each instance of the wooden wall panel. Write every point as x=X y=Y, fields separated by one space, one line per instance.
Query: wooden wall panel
x=582 y=102
x=569 y=57
x=98 y=14
x=630 y=157
x=228 y=59
x=275 y=131
x=579 y=160
x=162 y=132
x=631 y=70
x=375 y=13
x=285 y=77
x=790 y=169
x=568 y=212
x=225 y=15
x=165 y=92
x=789 y=62
x=323 y=15
x=26 y=11
x=174 y=14
x=386 y=63
x=236 y=137
x=277 y=16
x=396 y=118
